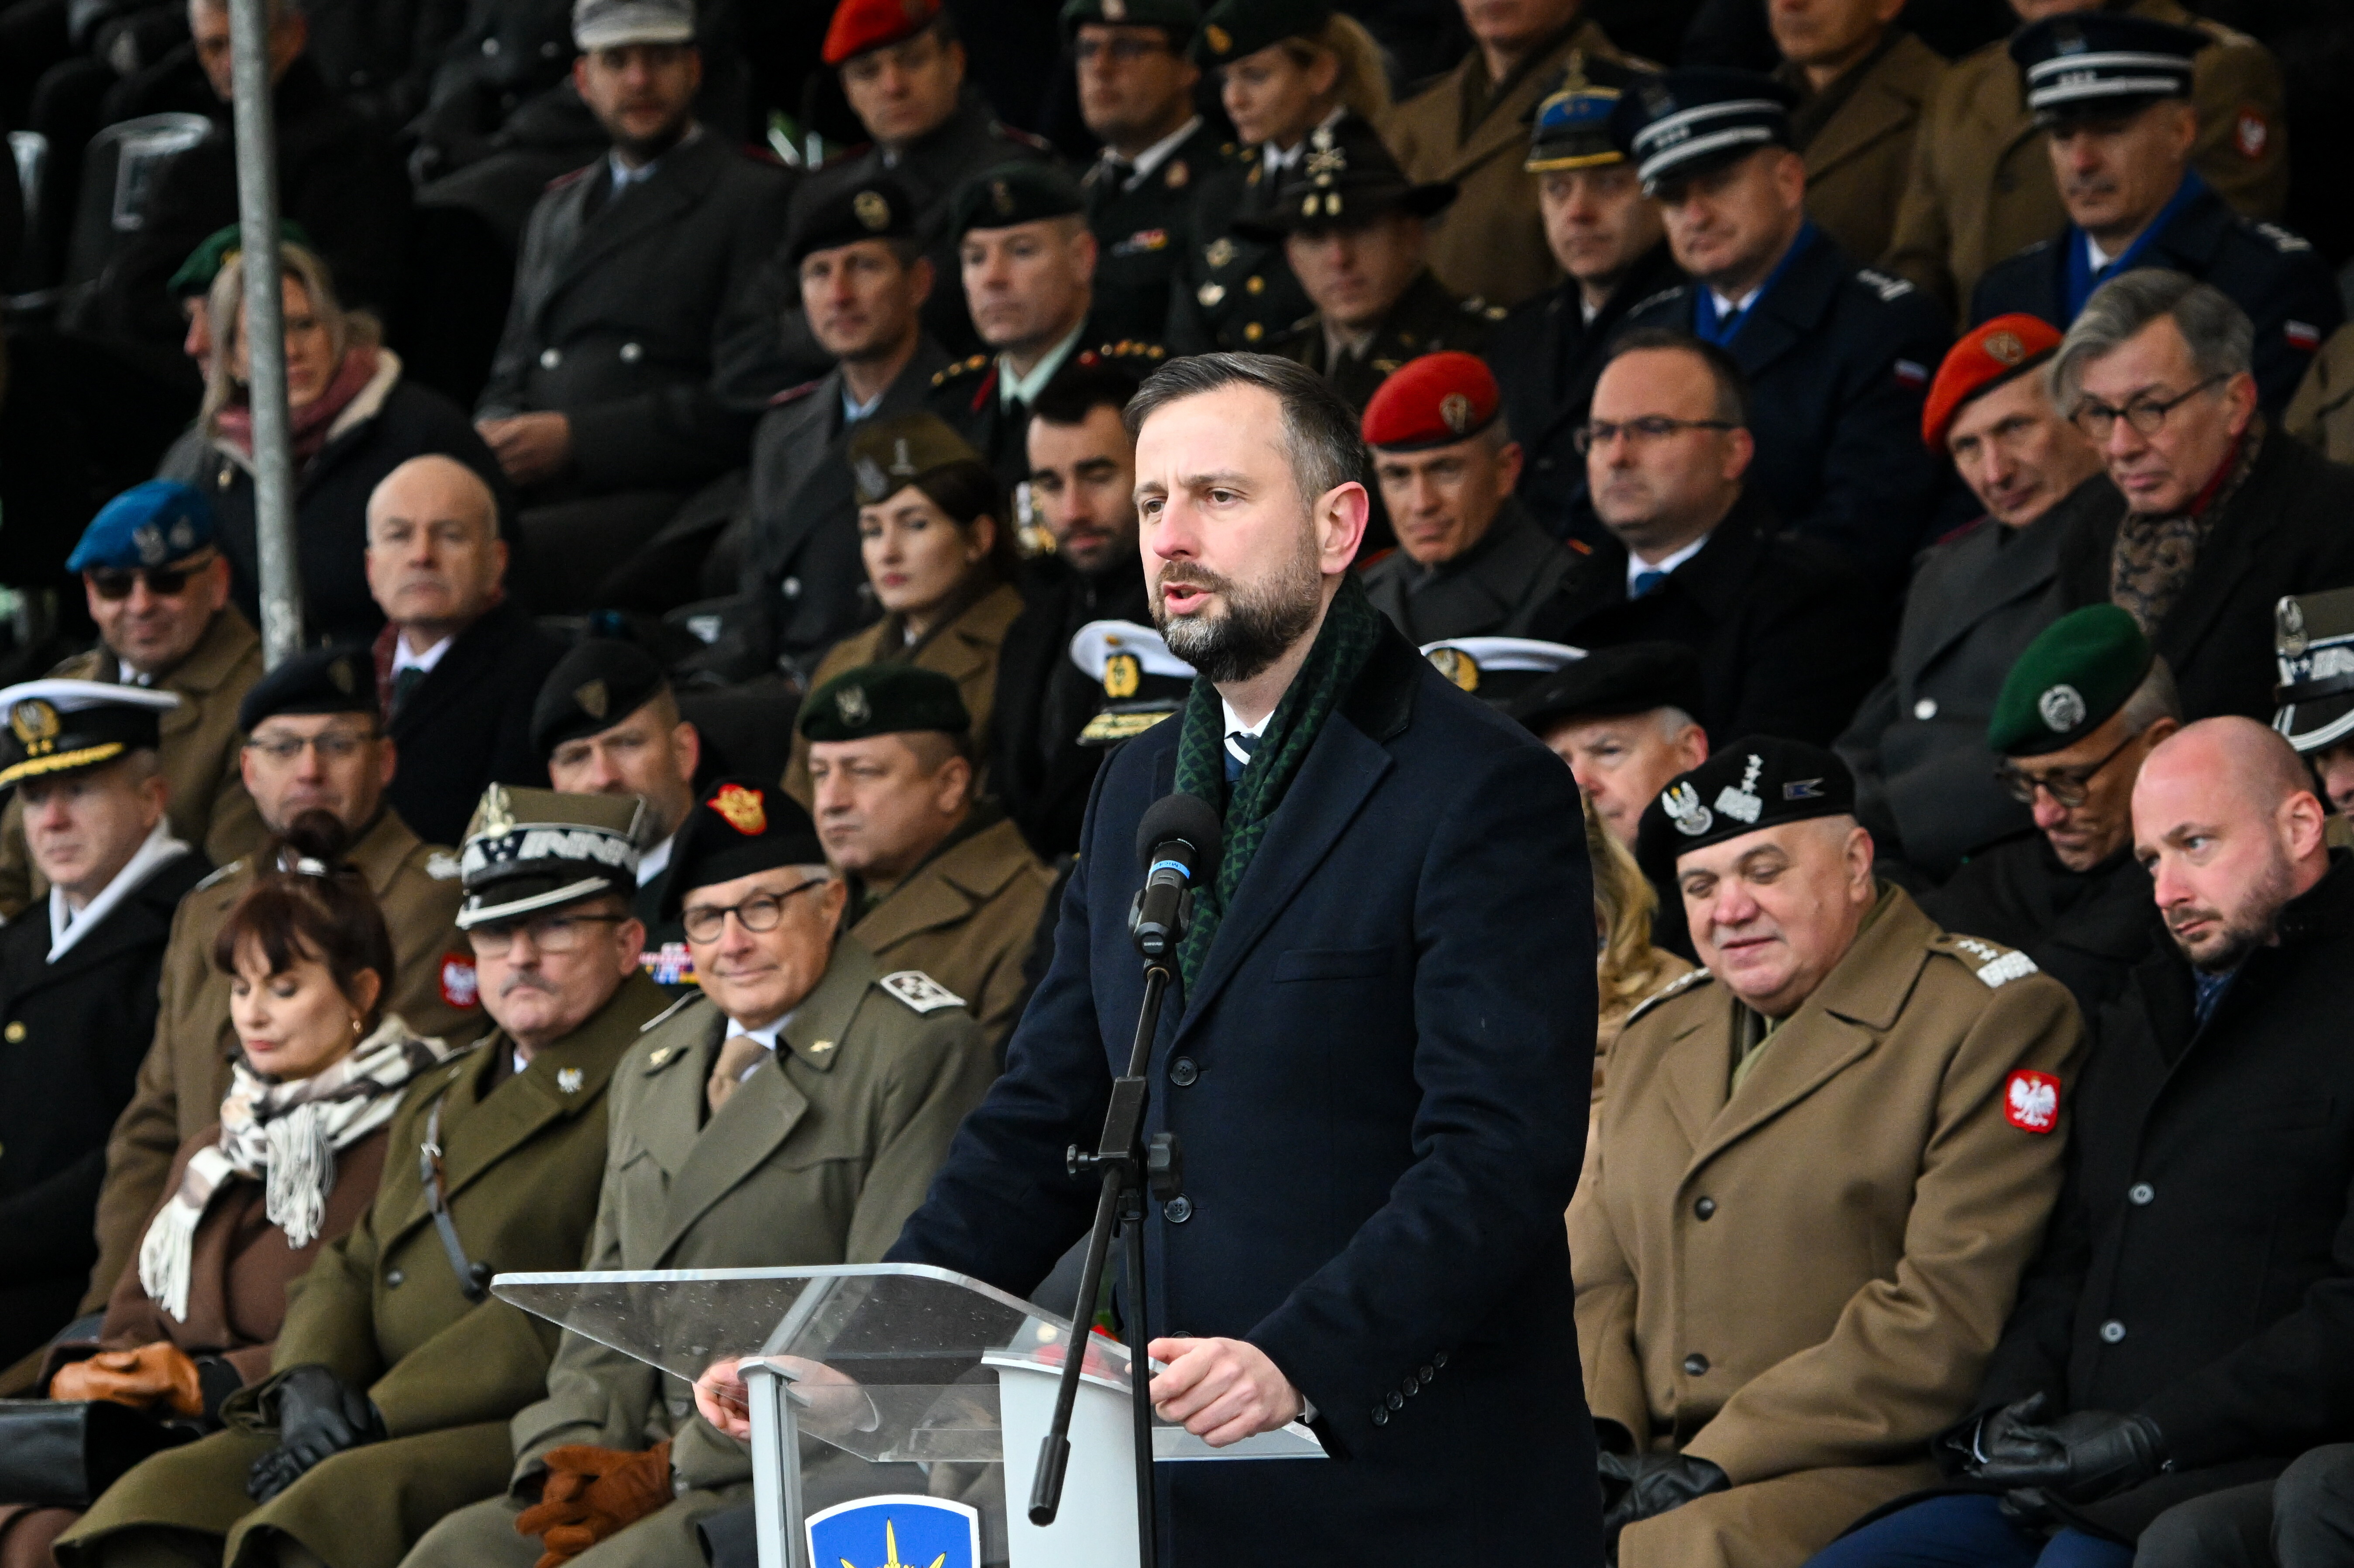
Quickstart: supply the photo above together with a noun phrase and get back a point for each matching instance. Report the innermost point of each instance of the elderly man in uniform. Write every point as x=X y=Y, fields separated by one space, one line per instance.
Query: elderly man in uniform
x=2085 y=706
x=2113 y=94
x=1916 y=746
x=737 y=1117
x=158 y=589
x=631 y=308
x=396 y=1371
x=1823 y=1163
x=1470 y=561
x=313 y=743
x=77 y=987
x=2183 y=1332
x=1838 y=357
x=1466 y=128
x=2311 y=639
x=1862 y=81
x=940 y=882
x=1609 y=241
x=2222 y=516
x=1981 y=187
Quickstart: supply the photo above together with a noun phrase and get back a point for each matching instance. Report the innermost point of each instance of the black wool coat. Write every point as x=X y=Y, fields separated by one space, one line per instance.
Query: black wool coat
x=1380 y=1080
x=468 y=724
x=2087 y=929
x=1145 y=234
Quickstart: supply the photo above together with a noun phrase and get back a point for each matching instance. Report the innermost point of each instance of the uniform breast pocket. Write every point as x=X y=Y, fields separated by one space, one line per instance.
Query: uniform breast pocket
x=1331 y=963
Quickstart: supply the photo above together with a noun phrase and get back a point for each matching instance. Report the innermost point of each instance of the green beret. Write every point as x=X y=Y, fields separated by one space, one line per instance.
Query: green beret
x=220 y=246
x=2069 y=683
x=883 y=699
x=1234 y=29
x=888 y=455
x=1176 y=17
x=1012 y=193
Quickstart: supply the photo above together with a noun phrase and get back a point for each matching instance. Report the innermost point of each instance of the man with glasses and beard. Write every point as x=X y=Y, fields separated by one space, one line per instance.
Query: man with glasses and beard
x=158 y=589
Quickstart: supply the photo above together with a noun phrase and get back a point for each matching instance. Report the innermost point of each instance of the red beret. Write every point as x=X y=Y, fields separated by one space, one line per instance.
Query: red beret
x=1988 y=355
x=1434 y=401
x=863 y=25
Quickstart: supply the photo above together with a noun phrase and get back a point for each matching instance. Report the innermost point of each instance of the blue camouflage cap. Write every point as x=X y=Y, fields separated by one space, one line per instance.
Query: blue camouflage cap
x=146 y=525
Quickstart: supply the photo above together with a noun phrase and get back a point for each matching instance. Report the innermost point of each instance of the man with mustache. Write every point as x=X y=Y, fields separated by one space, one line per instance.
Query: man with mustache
x=2113 y=95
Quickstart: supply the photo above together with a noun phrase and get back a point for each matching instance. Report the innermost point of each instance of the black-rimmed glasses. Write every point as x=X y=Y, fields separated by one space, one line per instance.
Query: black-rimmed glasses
x=761 y=912
x=2069 y=786
x=2145 y=413
x=1650 y=428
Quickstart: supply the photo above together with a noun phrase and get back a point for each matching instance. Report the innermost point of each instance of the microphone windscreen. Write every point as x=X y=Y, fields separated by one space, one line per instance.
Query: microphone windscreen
x=1188 y=818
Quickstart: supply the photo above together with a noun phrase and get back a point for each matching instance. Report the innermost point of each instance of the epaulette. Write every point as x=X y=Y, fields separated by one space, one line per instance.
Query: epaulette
x=962 y=367
x=918 y=991
x=1995 y=966
x=667 y=1013
x=1675 y=986
x=1661 y=298
x=1126 y=348
x=1889 y=287
x=217 y=875
x=442 y=865
x=795 y=394
x=2284 y=242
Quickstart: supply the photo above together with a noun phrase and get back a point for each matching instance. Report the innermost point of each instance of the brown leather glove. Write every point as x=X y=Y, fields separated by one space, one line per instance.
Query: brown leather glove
x=592 y=1494
x=160 y=1373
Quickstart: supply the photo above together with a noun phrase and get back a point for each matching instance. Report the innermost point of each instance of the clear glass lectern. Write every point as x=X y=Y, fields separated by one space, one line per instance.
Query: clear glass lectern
x=897 y=1364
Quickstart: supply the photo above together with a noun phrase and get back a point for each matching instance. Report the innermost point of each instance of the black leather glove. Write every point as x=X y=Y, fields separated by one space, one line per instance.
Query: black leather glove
x=317 y=1417
x=1642 y=1486
x=2079 y=1459
x=2010 y=1435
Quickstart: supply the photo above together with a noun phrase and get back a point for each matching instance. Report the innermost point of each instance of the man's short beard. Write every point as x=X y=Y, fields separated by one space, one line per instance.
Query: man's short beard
x=1260 y=623
x=2252 y=926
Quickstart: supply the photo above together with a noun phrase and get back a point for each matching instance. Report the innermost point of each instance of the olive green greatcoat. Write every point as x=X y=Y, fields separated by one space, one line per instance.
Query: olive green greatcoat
x=966 y=918
x=818 y=1157
x=1858 y=156
x=2321 y=415
x=186 y=1070
x=1489 y=242
x=382 y=1309
x=1800 y=1279
x=1981 y=189
x=208 y=808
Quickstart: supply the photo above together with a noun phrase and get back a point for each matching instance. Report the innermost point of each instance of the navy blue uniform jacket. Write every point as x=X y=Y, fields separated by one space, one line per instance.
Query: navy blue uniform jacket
x=1380 y=1083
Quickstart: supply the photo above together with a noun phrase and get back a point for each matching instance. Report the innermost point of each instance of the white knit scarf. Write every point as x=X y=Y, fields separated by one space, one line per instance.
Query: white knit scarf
x=285 y=1134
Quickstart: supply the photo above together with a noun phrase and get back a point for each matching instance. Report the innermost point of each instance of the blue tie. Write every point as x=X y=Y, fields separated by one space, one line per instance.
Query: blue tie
x=1239 y=747
x=1646 y=583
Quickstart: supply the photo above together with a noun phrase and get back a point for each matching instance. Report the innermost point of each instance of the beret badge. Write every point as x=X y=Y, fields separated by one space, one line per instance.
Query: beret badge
x=2005 y=349
x=1456 y=409
x=852 y=704
x=593 y=698
x=1681 y=803
x=2063 y=708
x=742 y=809
x=872 y=210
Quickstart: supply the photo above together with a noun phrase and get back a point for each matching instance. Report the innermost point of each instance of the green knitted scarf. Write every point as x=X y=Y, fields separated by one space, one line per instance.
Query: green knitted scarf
x=1352 y=630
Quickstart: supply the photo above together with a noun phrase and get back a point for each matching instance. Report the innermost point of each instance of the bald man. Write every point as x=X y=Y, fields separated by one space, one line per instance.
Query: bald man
x=456 y=661
x=2187 y=1327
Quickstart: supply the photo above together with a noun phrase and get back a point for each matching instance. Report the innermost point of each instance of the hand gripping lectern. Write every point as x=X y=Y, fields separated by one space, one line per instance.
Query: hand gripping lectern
x=943 y=1386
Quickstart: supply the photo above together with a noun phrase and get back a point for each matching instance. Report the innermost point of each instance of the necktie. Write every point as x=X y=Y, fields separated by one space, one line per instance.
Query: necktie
x=737 y=1057
x=1239 y=747
x=1646 y=583
x=405 y=681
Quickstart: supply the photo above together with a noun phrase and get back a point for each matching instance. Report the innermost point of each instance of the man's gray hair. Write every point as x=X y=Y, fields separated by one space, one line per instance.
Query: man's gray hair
x=2155 y=699
x=1319 y=429
x=1672 y=722
x=2221 y=339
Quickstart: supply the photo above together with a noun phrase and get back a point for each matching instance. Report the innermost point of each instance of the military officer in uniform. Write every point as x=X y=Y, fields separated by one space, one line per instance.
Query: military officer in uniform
x=1822 y=1165
x=792 y=1115
x=158 y=589
x=1837 y=356
x=396 y=1371
x=2112 y=96
x=312 y=743
x=1981 y=187
x=2311 y=636
x=1863 y=80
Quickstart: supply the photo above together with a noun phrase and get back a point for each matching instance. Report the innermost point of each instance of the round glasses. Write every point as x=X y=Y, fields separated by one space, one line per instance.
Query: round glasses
x=2143 y=412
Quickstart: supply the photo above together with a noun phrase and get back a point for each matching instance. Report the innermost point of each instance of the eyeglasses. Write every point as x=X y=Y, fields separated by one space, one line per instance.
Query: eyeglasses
x=334 y=746
x=1650 y=428
x=550 y=934
x=761 y=912
x=2065 y=785
x=163 y=582
x=2145 y=413
x=1121 y=51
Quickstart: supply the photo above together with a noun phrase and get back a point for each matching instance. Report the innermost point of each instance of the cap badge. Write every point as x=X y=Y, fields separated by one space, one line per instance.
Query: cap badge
x=149 y=541
x=1123 y=673
x=902 y=465
x=1219 y=253
x=593 y=698
x=1742 y=804
x=1803 y=789
x=872 y=480
x=1220 y=40
x=2068 y=41
x=1456 y=666
x=340 y=672
x=1000 y=198
x=2005 y=349
x=1456 y=409
x=852 y=704
x=2290 y=616
x=183 y=537
x=1681 y=803
x=35 y=722
x=2063 y=708
x=1115 y=10
x=497 y=814
x=742 y=808
x=871 y=210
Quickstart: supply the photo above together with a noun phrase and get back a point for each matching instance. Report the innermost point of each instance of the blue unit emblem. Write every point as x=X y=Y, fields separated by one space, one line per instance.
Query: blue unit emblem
x=895 y=1533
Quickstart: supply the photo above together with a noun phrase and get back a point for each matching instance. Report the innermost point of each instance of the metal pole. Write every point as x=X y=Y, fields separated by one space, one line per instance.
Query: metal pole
x=265 y=330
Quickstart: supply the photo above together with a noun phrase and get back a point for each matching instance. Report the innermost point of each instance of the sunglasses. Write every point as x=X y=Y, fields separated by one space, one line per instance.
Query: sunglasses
x=163 y=582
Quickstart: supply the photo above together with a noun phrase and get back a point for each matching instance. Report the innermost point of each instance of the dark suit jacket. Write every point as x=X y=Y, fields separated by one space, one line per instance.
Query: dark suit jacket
x=1380 y=1083
x=468 y=724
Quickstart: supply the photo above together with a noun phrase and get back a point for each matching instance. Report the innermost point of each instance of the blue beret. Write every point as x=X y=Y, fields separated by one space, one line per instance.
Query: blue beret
x=146 y=525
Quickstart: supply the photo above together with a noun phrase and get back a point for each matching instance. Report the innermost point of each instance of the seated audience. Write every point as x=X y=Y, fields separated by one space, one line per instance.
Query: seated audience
x=312 y=743
x=2212 y=1124
x=1788 y=637
x=249 y=1207
x=158 y=590
x=1923 y=778
x=457 y=660
x=1862 y=79
x=939 y=556
x=354 y=417
x=395 y=1372
x=2078 y=715
x=1816 y=1181
x=1470 y=562
x=939 y=881
x=77 y=979
x=848 y=1085
x=192 y=288
x=631 y=305
x=2223 y=518
x=1837 y=357
x=1627 y=969
x=2113 y=96
x=2310 y=638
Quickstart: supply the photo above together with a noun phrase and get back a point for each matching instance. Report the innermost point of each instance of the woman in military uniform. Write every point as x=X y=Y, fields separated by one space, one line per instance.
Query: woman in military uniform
x=1285 y=68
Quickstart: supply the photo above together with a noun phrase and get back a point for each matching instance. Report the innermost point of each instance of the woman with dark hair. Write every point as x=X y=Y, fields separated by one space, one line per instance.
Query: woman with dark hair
x=291 y=1164
x=940 y=558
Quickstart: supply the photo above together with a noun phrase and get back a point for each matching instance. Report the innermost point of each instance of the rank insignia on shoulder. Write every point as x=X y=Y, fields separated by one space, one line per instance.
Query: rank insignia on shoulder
x=2287 y=243
x=227 y=870
x=918 y=990
x=1995 y=967
x=441 y=865
x=1890 y=289
x=2030 y=1100
x=1675 y=986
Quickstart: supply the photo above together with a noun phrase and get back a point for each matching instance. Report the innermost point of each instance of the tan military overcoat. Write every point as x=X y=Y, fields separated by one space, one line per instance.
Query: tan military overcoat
x=1981 y=189
x=966 y=918
x=1858 y=158
x=2321 y=415
x=1801 y=1281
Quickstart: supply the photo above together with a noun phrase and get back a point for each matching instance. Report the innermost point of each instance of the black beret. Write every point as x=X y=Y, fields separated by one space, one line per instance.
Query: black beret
x=741 y=828
x=1013 y=193
x=1761 y=782
x=883 y=699
x=870 y=209
x=1610 y=683
x=323 y=681
x=591 y=689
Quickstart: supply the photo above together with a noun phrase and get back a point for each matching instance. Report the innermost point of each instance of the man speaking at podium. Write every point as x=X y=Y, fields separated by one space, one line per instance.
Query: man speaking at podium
x=1377 y=1058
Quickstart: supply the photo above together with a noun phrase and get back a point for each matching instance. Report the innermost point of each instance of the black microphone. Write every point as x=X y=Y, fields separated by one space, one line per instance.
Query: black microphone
x=1177 y=842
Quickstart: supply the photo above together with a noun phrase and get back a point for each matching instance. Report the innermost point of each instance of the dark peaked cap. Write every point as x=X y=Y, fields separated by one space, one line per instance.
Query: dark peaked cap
x=1611 y=682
